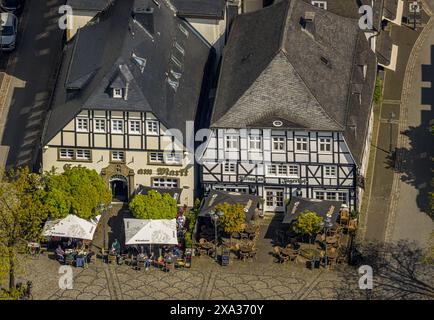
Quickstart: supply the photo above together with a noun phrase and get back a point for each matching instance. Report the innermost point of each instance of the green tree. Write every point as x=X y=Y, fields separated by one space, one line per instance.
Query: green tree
x=22 y=215
x=233 y=217
x=307 y=223
x=153 y=205
x=78 y=191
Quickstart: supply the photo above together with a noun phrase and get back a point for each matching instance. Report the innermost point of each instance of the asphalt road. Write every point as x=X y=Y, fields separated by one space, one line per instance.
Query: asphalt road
x=31 y=69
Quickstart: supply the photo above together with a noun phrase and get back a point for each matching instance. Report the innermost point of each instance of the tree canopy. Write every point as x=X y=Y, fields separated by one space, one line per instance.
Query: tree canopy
x=307 y=223
x=233 y=217
x=22 y=214
x=153 y=205
x=78 y=191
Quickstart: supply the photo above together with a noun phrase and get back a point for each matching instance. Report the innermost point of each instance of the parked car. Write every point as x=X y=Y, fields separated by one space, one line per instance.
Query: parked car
x=9 y=29
x=12 y=6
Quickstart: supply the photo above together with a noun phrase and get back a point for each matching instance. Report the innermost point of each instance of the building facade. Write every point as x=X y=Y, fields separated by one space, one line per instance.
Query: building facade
x=293 y=108
x=129 y=86
x=276 y=164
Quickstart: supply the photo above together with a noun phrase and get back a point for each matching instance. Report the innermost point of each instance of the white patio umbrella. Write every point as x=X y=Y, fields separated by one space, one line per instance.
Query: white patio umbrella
x=71 y=227
x=158 y=231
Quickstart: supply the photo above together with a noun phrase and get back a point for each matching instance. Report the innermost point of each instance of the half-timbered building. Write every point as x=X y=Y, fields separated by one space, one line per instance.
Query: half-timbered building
x=292 y=114
x=127 y=77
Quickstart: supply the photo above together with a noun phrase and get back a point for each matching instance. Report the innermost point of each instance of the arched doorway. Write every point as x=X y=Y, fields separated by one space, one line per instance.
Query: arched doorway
x=119 y=187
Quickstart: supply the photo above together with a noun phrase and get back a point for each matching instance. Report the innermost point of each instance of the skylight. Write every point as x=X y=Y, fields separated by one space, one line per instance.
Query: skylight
x=141 y=62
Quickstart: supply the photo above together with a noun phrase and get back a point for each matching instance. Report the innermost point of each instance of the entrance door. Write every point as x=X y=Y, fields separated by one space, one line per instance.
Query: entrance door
x=274 y=200
x=119 y=187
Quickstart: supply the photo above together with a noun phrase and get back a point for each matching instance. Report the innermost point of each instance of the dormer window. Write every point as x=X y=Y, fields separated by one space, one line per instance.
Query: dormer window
x=117 y=93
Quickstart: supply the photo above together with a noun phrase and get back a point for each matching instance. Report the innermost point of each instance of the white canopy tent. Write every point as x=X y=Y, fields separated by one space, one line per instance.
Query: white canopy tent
x=71 y=227
x=141 y=231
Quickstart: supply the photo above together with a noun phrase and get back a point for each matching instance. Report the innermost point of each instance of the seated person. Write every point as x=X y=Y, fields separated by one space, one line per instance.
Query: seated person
x=148 y=261
x=59 y=252
x=116 y=247
x=161 y=262
x=176 y=252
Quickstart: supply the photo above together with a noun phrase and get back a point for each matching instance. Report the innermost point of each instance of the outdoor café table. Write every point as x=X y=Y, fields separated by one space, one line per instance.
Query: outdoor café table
x=331 y=240
x=310 y=253
x=250 y=229
x=288 y=251
x=69 y=251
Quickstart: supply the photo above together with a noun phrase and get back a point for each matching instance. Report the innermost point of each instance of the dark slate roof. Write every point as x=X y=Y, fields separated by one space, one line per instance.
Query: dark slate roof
x=107 y=52
x=390 y=9
x=384 y=48
x=305 y=79
x=350 y=9
x=200 y=8
x=173 y=192
x=321 y=207
x=215 y=197
x=97 y=5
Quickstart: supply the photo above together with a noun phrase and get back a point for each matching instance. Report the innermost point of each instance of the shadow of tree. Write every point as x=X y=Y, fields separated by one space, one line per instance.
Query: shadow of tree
x=400 y=271
x=415 y=162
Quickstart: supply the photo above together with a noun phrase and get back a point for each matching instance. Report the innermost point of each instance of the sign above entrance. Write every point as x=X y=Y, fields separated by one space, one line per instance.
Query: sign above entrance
x=164 y=172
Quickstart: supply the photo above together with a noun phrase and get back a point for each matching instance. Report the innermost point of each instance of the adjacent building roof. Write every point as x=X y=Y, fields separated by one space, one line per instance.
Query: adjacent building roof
x=200 y=8
x=157 y=58
x=96 y=5
x=309 y=68
x=350 y=9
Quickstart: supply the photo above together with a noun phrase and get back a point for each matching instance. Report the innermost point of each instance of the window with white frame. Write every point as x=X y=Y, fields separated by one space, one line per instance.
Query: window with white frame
x=156 y=157
x=301 y=144
x=319 y=195
x=325 y=144
x=164 y=182
x=134 y=127
x=330 y=171
x=342 y=196
x=331 y=195
x=283 y=170
x=320 y=4
x=231 y=142
x=255 y=143
x=66 y=154
x=117 y=93
x=152 y=127
x=99 y=125
x=83 y=154
x=82 y=124
x=278 y=143
x=173 y=158
x=229 y=167
x=117 y=126
x=118 y=156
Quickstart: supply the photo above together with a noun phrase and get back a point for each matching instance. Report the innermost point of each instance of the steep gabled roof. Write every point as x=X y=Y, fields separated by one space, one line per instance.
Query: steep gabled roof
x=305 y=68
x=163 y=66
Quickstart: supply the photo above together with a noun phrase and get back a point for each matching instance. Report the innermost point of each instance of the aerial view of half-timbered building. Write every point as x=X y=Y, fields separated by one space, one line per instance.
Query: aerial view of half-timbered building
x=293 y=109
x=133 y=72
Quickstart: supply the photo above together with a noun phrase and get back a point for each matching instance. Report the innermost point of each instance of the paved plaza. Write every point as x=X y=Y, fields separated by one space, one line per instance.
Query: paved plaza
x=205 y=280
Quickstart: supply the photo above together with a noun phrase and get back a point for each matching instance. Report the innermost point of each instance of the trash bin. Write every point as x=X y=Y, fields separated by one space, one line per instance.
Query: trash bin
x=225 y=257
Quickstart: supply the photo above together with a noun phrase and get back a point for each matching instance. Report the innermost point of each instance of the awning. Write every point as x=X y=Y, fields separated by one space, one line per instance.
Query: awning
x=158 y=231
x=321 y=207
x=71 y=227
x=215 y=197
x=175 y=193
